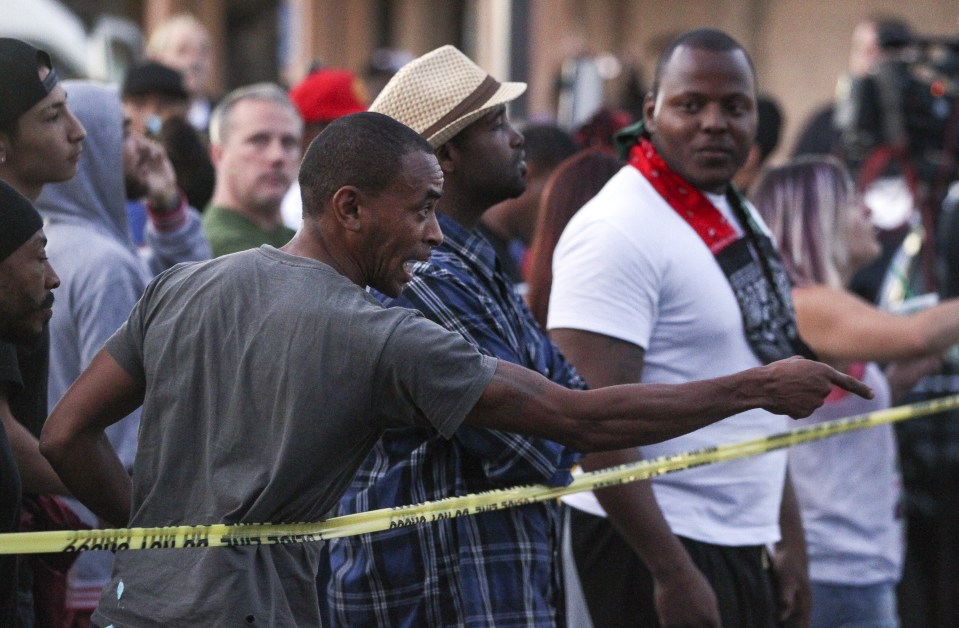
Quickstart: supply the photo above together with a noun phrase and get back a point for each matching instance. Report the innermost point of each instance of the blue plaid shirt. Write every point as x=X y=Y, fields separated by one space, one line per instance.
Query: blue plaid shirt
x=494 y=569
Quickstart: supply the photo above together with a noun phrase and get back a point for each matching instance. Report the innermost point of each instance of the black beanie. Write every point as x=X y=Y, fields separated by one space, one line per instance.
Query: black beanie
x=18 y=220
x=20 y=84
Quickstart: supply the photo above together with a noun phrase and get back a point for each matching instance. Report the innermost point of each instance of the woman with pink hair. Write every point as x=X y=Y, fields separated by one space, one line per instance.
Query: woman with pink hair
x=848 y=486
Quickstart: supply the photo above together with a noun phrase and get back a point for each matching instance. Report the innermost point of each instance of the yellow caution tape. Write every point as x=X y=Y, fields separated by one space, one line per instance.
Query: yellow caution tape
x=222 y=535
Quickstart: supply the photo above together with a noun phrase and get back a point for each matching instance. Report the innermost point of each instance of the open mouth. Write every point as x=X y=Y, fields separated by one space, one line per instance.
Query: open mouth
x=408 y=266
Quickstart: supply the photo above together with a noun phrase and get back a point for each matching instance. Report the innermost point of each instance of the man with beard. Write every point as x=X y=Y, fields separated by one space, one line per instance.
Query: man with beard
x=103 y=273
x=26 y=276
x=497 y=568
x=26 y=284
x=255 y=136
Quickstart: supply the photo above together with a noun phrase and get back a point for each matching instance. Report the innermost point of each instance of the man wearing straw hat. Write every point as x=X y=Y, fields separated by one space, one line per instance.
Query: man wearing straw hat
x=497 y=568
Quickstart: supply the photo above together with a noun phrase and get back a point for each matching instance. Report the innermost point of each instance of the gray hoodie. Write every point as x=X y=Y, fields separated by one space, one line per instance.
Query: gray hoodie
x=102 y=275
x=96 y=197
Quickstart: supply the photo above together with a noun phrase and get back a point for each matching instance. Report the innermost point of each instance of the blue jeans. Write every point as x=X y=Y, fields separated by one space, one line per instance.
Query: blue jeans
x=845 y=606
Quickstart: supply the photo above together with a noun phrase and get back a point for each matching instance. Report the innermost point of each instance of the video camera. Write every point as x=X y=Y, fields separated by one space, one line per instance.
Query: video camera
x=909 y=102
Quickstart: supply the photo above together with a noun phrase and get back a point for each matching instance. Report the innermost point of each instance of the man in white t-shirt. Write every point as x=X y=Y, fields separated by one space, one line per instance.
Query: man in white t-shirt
x=668 y=276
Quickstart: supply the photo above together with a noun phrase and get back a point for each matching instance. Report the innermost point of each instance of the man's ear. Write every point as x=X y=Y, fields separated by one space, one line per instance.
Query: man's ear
x=534 y=172
x=345 y=207
x=446 y=155
x=4 y=148
x=749 y=171
x=649 y=108
x=216 y=154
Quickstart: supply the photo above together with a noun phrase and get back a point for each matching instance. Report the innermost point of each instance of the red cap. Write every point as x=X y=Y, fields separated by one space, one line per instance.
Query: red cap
x=327 y=94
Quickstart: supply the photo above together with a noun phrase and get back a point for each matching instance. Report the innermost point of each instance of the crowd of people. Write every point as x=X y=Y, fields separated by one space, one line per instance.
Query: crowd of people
x=285 y=305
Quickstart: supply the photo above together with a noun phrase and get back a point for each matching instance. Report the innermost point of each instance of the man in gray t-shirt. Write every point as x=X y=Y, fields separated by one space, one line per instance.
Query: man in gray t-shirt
x=266 y=376
x=284 y=453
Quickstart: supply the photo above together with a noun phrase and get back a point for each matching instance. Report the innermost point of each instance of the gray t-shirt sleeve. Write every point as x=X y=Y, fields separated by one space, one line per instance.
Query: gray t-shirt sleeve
x=126 y=343
x=435 y=375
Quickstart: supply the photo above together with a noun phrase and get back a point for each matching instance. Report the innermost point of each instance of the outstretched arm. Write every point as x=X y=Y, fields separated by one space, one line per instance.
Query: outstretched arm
x=74 y=441
x=639 y=414
x=840 y=326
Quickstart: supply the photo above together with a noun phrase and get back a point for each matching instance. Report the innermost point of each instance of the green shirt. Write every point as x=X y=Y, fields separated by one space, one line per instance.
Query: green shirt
x=230 y=231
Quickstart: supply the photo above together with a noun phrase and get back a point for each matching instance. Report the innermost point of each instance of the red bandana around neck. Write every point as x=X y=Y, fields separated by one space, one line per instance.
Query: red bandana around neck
x=690 y=204
x=750 y=262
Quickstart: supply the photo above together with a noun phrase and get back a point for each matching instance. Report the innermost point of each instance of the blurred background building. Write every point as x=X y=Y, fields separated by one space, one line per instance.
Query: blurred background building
x=575 y=54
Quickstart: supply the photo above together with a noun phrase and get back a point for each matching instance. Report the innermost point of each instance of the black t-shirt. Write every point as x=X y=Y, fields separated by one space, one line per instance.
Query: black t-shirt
x=9 y=522
x=11 y=381
x=23 y=371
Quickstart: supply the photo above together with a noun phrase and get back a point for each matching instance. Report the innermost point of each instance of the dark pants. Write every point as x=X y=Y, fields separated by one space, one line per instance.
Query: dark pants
x=619 y=589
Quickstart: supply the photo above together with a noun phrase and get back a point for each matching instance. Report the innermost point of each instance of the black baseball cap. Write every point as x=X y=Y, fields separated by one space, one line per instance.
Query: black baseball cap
x=154 y=78
x=20 y=84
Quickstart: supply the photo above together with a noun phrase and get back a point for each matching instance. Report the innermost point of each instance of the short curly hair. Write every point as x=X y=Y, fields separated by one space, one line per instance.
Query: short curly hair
x=365 y=150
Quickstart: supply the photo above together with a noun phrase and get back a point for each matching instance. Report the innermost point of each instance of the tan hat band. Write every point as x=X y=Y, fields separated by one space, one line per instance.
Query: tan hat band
x=480 y=95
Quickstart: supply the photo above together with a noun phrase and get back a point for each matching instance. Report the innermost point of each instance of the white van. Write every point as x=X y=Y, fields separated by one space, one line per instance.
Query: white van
x=103 y=53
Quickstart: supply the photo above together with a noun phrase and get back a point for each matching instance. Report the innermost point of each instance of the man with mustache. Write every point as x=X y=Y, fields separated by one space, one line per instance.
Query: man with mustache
x=26 y=284
x=26 y=276
x=668 y=275
x=255 y=135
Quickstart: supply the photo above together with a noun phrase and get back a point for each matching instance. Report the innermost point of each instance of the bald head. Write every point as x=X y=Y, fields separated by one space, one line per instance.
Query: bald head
x=701 y=39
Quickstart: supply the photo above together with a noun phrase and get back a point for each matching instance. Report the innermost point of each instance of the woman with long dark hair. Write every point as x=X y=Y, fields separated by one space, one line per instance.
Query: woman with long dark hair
x=574 y=182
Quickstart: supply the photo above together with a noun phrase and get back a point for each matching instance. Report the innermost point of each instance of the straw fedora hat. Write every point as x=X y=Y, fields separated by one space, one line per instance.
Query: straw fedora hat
x=441 y=93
